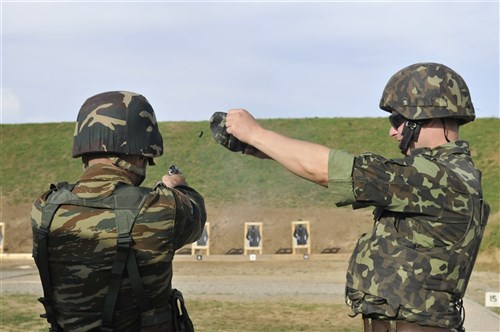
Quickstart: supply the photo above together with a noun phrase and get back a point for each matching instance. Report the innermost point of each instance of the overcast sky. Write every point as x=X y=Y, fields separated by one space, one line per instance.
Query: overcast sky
x=276 y=59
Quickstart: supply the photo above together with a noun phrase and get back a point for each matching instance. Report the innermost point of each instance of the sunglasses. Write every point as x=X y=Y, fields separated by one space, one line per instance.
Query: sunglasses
x=396 y=120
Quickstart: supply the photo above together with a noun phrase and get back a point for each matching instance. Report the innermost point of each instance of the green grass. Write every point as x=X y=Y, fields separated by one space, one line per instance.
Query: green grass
x=270 y=317
x=34 y=155
x=21 y=313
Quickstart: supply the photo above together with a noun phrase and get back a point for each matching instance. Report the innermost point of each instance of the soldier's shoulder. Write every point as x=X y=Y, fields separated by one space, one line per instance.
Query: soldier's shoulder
x=42 y=199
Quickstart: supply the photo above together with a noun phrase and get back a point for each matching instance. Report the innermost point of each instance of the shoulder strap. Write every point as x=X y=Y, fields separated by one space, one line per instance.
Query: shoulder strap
x=128 y=202
x=40 y=252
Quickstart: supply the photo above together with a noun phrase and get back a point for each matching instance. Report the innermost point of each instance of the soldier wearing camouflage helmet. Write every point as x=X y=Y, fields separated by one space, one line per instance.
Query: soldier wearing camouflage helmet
x=104 y=246
x=411 y=271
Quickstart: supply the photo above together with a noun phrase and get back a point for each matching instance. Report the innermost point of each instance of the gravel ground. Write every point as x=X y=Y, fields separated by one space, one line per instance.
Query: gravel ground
x=319 y=279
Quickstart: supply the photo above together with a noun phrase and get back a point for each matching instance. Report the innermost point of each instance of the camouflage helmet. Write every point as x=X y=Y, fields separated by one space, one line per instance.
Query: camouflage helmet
x=428 y=90
x=117 y=122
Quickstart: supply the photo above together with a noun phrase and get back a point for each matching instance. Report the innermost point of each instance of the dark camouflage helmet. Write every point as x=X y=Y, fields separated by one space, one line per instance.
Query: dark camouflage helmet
x=117 y=123
x=428 y=90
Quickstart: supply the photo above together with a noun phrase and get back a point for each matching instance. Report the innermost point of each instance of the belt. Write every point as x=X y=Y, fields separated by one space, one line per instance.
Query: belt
x=377 y=325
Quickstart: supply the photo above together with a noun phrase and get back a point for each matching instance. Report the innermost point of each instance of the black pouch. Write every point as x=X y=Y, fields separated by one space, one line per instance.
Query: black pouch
x=182 y=321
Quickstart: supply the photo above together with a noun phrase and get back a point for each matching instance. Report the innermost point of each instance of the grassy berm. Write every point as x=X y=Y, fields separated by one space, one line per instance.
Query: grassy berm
x=237 y=188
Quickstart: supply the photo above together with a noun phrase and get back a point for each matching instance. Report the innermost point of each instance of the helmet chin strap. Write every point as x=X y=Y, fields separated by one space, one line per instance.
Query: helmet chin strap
x=410 y=134
x=445 y=131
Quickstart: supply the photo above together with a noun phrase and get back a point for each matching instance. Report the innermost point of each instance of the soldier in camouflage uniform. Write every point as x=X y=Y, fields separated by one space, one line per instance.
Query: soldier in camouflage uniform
x=87 y=234
x=411 y=271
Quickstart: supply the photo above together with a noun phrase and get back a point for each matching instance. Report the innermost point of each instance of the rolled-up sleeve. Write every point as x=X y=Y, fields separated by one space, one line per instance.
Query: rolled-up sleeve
x=340 y=164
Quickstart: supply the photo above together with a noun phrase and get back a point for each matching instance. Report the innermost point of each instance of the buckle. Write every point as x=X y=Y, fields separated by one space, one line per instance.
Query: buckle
x=42 y=233
x=125 y=240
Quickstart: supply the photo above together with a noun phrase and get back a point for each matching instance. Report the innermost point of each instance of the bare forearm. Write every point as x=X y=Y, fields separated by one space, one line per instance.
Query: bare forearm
x=305 y=159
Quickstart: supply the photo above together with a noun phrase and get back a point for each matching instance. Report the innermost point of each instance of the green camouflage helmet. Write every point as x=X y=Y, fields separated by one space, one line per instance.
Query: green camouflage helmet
x=426 y=91
x=117 y=122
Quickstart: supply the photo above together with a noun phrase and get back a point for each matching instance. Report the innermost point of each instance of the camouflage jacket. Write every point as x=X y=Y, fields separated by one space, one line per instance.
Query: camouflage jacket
x=82 y=245
x=429 y=221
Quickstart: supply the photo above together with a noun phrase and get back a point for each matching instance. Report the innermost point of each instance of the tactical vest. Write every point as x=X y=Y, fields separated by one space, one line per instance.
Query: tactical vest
x=126 y=202
x=388 y=279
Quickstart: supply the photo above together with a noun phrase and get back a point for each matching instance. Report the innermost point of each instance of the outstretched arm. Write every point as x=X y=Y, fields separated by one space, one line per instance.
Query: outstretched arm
x=305 y=159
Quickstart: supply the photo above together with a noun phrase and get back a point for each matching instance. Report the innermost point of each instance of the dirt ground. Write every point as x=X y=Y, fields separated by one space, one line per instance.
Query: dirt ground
x=329 y=227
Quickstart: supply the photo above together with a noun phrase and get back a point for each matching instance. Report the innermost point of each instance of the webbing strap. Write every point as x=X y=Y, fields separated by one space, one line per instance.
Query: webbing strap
x=117 y=270
x=136 y=282
x=124 y=257
x=40 y=255
x=410 y=134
